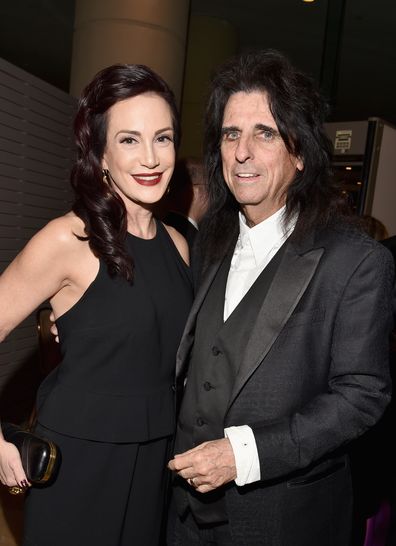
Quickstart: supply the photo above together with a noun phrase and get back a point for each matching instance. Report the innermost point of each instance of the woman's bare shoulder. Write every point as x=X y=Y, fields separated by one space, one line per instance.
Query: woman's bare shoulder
x=64 y=231
x=57 y=240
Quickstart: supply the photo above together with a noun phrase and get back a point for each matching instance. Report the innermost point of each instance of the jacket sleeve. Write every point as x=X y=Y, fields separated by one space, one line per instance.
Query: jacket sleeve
x=358 y=388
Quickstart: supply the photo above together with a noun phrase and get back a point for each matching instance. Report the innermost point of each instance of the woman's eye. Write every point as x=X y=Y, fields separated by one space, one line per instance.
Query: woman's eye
x=127 y=140
x=165 y=138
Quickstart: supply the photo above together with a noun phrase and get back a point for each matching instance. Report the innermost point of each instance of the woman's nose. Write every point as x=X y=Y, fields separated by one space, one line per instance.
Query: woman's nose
x=149 y=158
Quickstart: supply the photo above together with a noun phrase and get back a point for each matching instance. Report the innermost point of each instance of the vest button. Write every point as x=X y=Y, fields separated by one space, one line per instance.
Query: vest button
x=215 y=351
x=200 y=422
x=207 y=386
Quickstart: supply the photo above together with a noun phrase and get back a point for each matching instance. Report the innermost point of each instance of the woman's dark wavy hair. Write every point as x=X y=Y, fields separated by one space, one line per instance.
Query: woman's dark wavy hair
x=96 y=203
x=299 y=112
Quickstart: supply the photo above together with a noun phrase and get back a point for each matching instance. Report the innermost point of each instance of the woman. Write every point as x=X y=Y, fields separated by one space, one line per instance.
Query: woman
x=119 y=286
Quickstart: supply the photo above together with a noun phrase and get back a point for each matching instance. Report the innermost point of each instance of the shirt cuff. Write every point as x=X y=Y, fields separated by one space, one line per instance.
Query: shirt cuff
x=246 y=456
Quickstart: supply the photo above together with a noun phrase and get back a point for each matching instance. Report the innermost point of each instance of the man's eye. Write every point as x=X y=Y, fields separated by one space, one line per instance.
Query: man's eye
x=232 y=135
x=268 y=135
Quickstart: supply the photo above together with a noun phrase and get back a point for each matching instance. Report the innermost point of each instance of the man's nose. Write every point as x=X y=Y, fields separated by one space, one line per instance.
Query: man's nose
x=244 y=150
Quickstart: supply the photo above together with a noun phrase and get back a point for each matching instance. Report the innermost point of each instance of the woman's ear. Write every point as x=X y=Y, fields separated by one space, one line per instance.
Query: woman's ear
x=299 y=164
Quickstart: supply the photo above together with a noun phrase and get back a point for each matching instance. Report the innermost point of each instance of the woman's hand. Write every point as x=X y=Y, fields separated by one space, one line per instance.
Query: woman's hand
x=11 y=470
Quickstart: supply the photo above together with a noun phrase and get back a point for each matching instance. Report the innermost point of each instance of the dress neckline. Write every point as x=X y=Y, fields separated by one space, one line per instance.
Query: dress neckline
x=137 y=238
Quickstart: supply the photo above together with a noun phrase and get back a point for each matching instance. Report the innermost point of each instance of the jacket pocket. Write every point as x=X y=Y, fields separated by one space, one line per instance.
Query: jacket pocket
x=317 y=476
x=306 y=317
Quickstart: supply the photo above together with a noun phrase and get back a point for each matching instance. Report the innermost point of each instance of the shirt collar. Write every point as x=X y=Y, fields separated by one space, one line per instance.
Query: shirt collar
x=269 y=234
x=192 y=221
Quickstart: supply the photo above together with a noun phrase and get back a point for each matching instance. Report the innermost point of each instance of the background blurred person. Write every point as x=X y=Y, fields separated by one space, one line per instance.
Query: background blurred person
x=390 y=244
x=373 y=227
x=372 y=454
x=186 y=201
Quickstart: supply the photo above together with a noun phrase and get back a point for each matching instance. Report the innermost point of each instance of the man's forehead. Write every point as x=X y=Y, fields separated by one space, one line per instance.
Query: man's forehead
x=248 y=106
x=248 y=93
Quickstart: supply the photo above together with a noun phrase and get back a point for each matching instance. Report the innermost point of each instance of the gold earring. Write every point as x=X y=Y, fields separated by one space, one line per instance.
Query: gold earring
x=105 y=174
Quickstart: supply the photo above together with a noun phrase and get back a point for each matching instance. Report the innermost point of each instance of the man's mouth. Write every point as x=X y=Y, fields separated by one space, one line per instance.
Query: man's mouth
x=246 y=176
x=147 y=179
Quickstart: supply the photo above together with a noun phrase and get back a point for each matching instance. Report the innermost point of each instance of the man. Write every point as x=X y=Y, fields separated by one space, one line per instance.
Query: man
x=286 y=346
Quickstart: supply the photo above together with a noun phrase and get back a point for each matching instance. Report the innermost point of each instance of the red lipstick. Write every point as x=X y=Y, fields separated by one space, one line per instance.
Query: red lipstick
x=147 y=179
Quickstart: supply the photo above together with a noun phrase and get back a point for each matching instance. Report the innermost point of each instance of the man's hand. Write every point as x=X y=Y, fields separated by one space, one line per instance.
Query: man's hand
x=207 y=466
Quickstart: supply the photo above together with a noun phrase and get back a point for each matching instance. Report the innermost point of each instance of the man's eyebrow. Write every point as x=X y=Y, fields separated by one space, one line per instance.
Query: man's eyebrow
x=259 y=126
x=229 y=129
x=262 y=127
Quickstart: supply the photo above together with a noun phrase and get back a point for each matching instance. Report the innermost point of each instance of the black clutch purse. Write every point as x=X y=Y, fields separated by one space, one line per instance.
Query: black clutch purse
x=40 y=457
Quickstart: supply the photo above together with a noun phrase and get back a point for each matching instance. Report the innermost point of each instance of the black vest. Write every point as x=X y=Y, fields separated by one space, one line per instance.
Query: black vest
x=218 y=350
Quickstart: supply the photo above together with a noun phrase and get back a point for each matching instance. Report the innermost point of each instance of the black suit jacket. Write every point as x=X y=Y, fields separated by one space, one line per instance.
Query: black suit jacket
x=314 y=376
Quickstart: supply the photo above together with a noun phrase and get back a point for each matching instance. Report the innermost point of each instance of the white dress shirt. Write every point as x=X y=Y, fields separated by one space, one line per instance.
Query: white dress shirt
x=254 y=249
x=193 y=222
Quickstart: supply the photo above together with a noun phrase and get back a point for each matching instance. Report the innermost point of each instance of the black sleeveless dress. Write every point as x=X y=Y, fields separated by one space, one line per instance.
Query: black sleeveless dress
x=110 y=404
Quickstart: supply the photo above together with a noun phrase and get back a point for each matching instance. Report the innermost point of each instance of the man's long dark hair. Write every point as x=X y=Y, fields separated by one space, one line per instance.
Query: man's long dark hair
x=96 y=203
x=299 y=112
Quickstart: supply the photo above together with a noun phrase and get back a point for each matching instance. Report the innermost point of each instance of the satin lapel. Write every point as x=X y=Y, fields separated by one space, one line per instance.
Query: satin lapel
x=188 y=334
x=289 y=284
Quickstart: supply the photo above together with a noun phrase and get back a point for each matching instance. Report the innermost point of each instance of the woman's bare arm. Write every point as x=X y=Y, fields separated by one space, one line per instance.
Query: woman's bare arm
x=54 y=264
